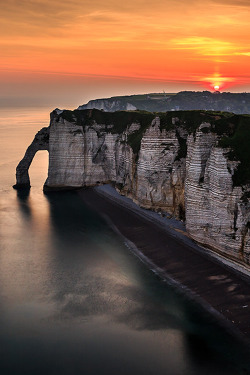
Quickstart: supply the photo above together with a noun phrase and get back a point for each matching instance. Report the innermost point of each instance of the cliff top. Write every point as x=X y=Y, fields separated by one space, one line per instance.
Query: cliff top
x=184 y=100
x=233 y=130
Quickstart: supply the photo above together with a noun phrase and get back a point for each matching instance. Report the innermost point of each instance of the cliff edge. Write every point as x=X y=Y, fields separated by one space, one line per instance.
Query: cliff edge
x=191 y=164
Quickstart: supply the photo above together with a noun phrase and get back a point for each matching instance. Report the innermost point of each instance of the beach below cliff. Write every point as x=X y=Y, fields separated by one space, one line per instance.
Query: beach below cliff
x=219 y=285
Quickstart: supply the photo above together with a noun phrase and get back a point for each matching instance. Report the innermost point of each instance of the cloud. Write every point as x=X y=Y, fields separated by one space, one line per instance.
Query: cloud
x=55 y=13
x=209 y=46
x=204 y=45
x=130 y=39
x=112 y=20
x=234 y=3
x=242 y=54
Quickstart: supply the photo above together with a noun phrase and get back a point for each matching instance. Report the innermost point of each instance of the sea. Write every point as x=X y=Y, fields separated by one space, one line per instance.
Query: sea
x=75 y=300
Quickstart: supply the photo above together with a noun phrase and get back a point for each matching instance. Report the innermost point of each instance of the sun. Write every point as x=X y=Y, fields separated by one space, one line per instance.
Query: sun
x=216 y=87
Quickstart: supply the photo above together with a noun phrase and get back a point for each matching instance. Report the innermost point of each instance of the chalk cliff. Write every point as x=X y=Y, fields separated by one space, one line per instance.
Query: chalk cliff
x=184 y=100
x=193 y=165
x=115 y=104
x=40 y=142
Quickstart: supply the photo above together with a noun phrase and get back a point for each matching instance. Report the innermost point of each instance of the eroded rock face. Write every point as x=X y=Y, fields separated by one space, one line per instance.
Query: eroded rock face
x=166 y=165
x=159 y=175
x=216 y=214
x=66 y=155
x=108 y=105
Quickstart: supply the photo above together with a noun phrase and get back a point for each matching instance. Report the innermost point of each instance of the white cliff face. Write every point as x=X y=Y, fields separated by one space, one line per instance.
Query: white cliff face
x=99 y=157
x=186 y=175
x=108 y=105
x=66 y=155
x=215 y=213
x=160 y=177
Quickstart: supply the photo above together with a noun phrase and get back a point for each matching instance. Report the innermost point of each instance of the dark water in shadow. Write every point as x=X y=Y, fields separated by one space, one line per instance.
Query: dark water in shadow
x=74 y=300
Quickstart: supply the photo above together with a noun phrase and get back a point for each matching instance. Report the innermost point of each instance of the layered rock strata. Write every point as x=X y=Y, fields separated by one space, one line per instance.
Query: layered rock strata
x=217 y=215
x=176 y=163
x=108 y=105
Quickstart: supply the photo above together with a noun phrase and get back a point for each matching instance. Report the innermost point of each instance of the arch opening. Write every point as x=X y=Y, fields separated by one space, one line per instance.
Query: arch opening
x=38 y=170
x=40 y=142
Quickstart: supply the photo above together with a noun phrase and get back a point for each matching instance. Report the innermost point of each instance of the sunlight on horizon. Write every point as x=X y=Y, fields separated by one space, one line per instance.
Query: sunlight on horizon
x=90 y=49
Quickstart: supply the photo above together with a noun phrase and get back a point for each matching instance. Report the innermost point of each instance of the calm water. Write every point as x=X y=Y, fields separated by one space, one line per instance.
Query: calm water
x=74 y=300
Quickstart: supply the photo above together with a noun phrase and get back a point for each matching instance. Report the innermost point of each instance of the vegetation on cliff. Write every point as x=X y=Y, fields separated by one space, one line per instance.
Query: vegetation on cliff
x=184 y=100
x=115 y=122
x=238 y=140
x=233 y=130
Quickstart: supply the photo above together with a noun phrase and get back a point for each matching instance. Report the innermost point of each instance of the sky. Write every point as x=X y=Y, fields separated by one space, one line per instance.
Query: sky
x=65 y=53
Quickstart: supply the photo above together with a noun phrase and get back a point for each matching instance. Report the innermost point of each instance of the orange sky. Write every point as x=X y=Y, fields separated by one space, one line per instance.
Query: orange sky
x=96 y=48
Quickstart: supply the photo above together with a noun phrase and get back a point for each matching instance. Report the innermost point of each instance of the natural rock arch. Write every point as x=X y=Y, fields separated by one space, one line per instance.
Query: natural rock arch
x=40 y=142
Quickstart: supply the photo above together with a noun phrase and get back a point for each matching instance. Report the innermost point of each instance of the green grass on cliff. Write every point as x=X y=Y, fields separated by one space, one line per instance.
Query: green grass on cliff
x=239 y=142
x=234 y=130
x=120 y=121
x=191 y=120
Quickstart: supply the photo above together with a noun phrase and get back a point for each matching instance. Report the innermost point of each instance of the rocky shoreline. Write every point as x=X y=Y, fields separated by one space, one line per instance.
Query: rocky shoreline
x=223 y=289
x=175 y=228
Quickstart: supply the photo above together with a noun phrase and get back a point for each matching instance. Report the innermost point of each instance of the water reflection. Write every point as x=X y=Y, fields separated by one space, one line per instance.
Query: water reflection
x=111 y=284
x=101 y=284
x=73 y=300
x=23 y=200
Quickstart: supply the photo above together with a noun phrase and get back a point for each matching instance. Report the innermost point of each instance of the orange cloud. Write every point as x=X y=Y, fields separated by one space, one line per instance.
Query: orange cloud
x=210 y=46
x=167 y=39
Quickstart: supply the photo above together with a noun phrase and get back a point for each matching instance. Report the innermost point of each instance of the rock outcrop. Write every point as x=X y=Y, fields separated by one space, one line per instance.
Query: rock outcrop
x=191 y=165
x=217 y=215
x=40 y=142
x=108 y=105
